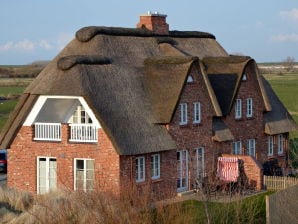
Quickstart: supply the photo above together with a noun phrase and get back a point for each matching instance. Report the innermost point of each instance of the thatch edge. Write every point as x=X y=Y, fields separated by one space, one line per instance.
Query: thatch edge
x=85 y=34
x=68 y=62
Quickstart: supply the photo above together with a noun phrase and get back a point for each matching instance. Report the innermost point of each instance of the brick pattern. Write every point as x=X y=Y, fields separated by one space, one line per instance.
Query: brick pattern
x=155 y=23
x=24 y=151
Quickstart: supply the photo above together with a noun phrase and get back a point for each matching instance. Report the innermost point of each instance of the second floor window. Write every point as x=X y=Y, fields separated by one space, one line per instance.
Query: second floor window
x=251 y=147
x=183 y=113
x=270 y=145
x=140 y=169
x=80 y=116
x=238 y=109
x=196 y=112
x=237 y=148
x=249 y=107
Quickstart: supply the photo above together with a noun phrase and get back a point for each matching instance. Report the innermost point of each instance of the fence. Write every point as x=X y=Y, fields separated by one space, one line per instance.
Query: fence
x=279 y=183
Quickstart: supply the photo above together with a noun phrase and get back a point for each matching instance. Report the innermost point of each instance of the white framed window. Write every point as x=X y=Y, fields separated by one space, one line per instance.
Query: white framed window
x=251 y=147
x=80 y=116
x=183 y=113
x=249 y=107
x=238 y=109
x=197 y=112
x=140 y=169
x=84 y=174
x=280 y=144
x=46 y=174
x=155 y=166
x=189 y=79
x=200 y=162
x=270 y=145
x=237 y=148
x=244 y=77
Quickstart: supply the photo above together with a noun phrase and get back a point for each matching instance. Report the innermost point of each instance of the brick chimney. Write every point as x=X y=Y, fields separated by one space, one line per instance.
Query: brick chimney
x=155 y=22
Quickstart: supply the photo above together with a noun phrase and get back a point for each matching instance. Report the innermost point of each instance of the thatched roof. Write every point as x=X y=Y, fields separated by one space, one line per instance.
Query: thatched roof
x=132 y=79
x=278 y=120
x=225 y=75
x=109 y=68
x=221 y=132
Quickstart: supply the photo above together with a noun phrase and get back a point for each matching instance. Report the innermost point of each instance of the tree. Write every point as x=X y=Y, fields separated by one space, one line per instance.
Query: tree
x=289 y=63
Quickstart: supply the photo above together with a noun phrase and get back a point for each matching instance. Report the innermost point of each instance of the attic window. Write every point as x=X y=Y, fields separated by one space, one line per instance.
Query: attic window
x=244 y=77
x=189 y=79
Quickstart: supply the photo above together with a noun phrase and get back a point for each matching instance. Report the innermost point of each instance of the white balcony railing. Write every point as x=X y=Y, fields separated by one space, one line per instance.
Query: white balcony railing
x=83 y=133
x=47 y=131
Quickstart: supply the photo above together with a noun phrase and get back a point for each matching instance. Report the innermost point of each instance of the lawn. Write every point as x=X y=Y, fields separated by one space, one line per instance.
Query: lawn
x=248 y=210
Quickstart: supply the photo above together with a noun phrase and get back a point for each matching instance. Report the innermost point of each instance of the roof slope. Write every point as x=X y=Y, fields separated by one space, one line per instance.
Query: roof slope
x=106 y=66
x=225 y=75
x=278 y=120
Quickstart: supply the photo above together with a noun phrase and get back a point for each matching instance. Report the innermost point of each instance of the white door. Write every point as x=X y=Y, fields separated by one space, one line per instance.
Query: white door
x=46 y=174
x=182 y=170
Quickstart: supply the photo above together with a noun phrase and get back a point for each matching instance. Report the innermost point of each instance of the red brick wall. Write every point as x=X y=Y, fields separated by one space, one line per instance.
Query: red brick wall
x=164 y=187
x=192 y=136
x=22 y=160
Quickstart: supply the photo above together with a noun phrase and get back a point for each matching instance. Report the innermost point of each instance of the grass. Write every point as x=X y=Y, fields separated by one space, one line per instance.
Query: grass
x=6 y=91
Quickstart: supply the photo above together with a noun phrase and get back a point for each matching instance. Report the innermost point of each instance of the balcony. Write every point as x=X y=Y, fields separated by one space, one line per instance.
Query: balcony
x=77 y=133
x=47 y=131
x=83 y=133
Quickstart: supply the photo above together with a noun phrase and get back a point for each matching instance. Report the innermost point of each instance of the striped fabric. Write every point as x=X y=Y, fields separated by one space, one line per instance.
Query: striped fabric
x=227 y=169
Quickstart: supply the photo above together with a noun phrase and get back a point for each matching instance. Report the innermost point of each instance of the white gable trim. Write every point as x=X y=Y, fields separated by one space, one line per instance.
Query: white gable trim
x=41 y=101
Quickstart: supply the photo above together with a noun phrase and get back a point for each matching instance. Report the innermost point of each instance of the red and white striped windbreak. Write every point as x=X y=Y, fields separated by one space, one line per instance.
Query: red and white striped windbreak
x=227 y=169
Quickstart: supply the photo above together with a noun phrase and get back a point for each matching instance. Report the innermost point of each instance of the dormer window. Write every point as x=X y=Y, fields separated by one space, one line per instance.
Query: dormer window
x=80 y=116
x=244 y=77
x=189 y=79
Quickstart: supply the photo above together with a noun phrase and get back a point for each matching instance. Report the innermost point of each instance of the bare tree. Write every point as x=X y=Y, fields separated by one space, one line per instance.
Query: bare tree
x=289 y=63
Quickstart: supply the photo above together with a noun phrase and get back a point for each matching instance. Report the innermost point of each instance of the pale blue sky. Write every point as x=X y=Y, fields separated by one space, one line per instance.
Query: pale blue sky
x=266 y=30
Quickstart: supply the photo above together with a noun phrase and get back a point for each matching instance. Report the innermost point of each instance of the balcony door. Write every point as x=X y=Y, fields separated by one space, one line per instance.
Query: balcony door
x=182 y=170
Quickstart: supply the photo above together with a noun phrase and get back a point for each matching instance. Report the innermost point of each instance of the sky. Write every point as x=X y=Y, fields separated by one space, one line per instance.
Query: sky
x=33 y=30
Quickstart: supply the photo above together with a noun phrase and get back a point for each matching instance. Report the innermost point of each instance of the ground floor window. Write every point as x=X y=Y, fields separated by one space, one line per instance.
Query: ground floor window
x=237 y=148
x=200 y=162
x=46 y=174
x=155 y=166
x=140 y=169
x=270 y=145
x=251 y=147
x=182 y=170
x=84 y=174
x=280 y=144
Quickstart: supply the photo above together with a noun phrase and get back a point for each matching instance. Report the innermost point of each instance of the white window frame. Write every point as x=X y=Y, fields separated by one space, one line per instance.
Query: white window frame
x=196 y=112
x=251 y=147
x=244 y=77
x=238 y=109
x=237 y=148
x=155 y=166
x=270 y=145
x=249 y=107
x=84 y=174
x=183 y=113
x=280 y=144
x=140 y=169
x=47 y=170
x=189 y=79
x=200 y=159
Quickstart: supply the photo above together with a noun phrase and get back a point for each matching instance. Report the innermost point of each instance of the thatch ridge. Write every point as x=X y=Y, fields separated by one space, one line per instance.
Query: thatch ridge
x=87 y=33
x=168 y=40
x=68 y=62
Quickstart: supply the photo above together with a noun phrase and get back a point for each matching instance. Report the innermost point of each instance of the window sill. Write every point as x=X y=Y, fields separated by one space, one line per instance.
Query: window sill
x=153 y=181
